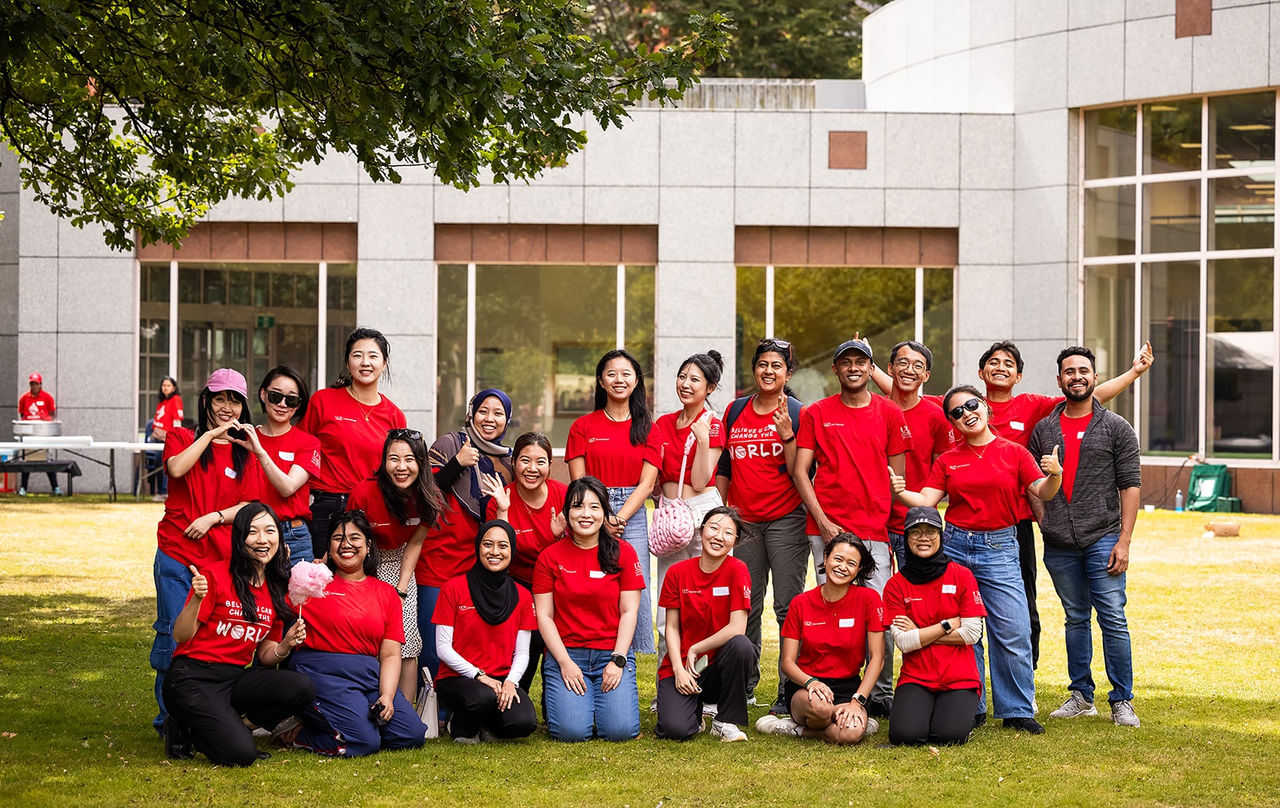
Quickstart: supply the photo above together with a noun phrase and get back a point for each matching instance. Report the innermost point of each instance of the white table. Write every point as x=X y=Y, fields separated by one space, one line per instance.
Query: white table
x=70 y=443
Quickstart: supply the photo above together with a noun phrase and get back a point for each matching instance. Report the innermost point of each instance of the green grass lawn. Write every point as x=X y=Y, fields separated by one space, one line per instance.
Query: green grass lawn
x=76 y=606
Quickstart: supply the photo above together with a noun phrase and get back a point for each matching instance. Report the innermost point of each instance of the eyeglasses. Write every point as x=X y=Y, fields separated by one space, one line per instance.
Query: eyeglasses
x=971 y=405
x=907 y=364
x=351 y=541
x=402 y=434
x=291 y=401
x=781 y=344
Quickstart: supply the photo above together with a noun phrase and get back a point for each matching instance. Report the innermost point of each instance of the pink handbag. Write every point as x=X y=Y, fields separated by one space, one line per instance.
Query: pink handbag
x=672 y=527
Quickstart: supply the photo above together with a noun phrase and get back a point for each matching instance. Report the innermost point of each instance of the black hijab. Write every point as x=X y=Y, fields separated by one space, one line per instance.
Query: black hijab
x=494 y=593
x=919 y=570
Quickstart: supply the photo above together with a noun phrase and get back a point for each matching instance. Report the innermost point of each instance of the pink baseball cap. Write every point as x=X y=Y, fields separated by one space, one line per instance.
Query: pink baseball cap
x=227 y=379
x=36 y=377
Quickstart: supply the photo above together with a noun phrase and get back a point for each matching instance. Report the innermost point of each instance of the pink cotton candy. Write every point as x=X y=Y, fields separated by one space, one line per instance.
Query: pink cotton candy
x=307 y=581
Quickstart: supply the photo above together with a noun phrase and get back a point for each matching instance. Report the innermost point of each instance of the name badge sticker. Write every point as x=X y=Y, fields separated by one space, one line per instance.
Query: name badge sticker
x=596 y=574
x=1080 y=435
x=413 y=521
x=230 y=472
x=286 y=455
x=948 y=589
x=1018 y=425
x=846 y=622
x=720 y=592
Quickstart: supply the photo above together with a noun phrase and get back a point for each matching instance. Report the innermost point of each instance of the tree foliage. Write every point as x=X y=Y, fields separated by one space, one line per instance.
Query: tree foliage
x=140 y=114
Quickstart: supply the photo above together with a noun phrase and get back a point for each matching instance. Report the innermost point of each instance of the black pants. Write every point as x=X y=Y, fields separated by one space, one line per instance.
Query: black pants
x=924 y=716
x=323 y=507
x=1027 y=562
x=723 y=683
x=475 y=707
x=25 y=478
x=208 y=698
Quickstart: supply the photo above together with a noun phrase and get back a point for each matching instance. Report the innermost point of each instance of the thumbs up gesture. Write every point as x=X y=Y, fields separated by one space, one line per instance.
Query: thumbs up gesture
x=897 y=481
x=1050 y=464
x=199 y=583
x=467 y=455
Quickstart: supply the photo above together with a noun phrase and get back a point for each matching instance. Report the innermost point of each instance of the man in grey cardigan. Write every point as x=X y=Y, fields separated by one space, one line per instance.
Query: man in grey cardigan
x=1087 y=527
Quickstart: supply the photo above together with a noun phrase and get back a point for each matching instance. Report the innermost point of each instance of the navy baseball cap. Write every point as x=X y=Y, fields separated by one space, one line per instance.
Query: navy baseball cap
x=859 y=345
x=922 y=516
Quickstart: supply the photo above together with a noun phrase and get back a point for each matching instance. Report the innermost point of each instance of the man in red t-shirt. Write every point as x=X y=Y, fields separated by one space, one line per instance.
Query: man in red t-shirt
x=37 y=405
x=852 y=436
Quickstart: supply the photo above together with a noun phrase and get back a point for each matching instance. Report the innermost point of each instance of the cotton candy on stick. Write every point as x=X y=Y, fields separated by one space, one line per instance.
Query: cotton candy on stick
x=307 y=581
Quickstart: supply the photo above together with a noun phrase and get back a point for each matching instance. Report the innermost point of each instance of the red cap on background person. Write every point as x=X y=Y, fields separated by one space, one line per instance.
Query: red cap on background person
x=35 y=378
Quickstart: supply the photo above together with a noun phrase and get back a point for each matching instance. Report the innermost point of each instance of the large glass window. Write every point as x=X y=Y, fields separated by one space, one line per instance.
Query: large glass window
x=1109 y=308
x=153 y=338
x=817 y=308
x=537 y=333
x=1171 y=320
x=1241 y=356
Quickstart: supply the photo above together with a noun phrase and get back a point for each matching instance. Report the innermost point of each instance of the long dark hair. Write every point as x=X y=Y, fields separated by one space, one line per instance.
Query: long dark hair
x=160 y=390
x=641 y=418
x=204 y=405
x=607 y=549
x=291 y=373
x=427 y=501
x=359 y=522
x=275 y=572
x=344 y=378
x=788 y=354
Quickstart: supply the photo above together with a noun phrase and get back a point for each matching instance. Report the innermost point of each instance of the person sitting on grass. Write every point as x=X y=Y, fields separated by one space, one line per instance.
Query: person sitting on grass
x=825 y=640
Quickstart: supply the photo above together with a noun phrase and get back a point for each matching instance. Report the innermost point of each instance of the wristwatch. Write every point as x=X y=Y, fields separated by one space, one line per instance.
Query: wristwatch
x=861 y=699
x=619 y=659
x=479 y=673
x=946 y=626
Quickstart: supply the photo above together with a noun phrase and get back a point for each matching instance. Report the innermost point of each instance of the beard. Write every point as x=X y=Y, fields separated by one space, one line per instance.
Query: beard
x=1082 y=395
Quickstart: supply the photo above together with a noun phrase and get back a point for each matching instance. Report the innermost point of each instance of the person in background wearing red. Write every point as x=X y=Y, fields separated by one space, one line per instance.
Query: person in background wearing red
x=168 y=416
x=352 y=655
x=754 y=476
x=708 y=655
x=829 y=631
x=986 y=478
x=210 y=479
x=611 y=444
x=483 y=625
x=586 y=588
x=851 y=436
x=287 y=458
x=351 y=420
x=461 y=461
x=234 y=616
x=533 y=506
x=402 y=504
x=933 y=611
x=37 y=405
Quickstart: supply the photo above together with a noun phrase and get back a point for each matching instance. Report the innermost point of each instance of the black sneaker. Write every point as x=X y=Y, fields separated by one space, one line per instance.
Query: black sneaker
x=780 y=707
x=1029 y=725
x=879 y=708
x=979 y=719
x=177 y=743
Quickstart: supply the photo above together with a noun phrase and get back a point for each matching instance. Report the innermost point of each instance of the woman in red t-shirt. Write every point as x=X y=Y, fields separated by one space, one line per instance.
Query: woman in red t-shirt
x=985 y=478
x=534 y=507
x=483 y=625
x=825 y=640
x=352 y=654
x=351 y=420
x=934 y=612
x=168 y=416
x=402 y=503
x=708 y=656
x=612 y=444
x=233 y=616
x=287 y=457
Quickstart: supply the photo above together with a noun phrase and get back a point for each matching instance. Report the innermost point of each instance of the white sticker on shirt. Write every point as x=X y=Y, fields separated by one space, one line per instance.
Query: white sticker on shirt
x=596 y=574
x=286 y=455
x=720 y=592
x=948 y=589
x=413 y=521
x=1018 y=425
x=1080 y=435
x=230 y=472
x=846 y=622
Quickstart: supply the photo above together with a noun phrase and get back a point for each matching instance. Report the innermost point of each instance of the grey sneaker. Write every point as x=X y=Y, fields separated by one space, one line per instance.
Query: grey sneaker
x=770 y=724
x=1076 y=704
x=873 y=726
x=1122 y=713
x=727 y=732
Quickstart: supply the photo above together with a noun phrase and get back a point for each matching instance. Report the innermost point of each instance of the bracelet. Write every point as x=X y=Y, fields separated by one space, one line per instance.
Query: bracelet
x=791 y=439
x=810 y=681
x=278 y=654
x=221 y=519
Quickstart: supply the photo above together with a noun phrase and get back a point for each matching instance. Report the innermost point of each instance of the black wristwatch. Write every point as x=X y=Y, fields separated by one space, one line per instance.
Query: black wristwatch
x=861 y=699
x=946 y=626
x=479 y=673
x=619 y=659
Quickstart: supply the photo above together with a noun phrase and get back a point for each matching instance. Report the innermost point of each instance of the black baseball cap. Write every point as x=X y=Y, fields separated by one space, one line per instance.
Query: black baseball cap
x=859 y=345
x=922 y=516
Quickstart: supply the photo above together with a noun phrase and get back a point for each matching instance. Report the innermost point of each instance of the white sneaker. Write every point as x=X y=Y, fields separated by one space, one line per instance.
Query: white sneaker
x=727 y=732
x=873 y=726
x=770 y=724
x=1122 y=713
x=1075 y=705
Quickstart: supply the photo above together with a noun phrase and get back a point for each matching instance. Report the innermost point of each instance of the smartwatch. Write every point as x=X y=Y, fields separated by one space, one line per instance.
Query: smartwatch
x=479 y=673
x=619 y=659
x=946 y=626
x=861 y=699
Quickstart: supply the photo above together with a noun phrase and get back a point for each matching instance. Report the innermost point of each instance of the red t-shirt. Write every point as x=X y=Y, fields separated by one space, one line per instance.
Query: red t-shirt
x=350 y=434
x=169 y=414
x=489 y=648
x=984 y=485
x=224 y=635
x=388 y=531
x=930 y=435
x=852 y=447
x=354 y=617
x=293 y=448
x=705 y=601
x=759 y=486
x=201 y=490
x=833 y=636
x=532 y=526
x=1014 y=419
x=605 y=445
x=585 y=597
x=953 y=594
x=36 y=408
x=1073 y=430
x=450 y=548
x=667 y=442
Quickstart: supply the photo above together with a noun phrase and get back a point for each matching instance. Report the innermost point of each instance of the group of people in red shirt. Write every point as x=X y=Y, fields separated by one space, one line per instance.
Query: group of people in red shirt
x=471 y=576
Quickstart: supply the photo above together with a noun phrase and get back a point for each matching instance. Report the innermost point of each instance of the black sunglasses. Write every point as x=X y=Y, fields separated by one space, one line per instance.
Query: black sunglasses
x=971 y=405
x=401 y=434
x=291 y=401
x=781 y=344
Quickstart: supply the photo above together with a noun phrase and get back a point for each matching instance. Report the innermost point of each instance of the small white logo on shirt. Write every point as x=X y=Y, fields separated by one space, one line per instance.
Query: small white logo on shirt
x=343 y=418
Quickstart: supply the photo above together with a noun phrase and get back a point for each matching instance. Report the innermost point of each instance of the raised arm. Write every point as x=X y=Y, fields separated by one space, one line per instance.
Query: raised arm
x=1111 y=388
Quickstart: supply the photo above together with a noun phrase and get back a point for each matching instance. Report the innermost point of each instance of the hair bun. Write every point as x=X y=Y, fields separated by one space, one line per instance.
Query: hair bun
x=715 y=357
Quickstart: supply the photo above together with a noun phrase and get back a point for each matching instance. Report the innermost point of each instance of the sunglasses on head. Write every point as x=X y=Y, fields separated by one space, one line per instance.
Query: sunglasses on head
x=971 y=405
x=402 y=434
x=291 y=401
x=782 y=345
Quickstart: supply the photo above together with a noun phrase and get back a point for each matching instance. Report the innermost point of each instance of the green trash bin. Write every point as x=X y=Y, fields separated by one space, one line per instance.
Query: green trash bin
x=1208 y=482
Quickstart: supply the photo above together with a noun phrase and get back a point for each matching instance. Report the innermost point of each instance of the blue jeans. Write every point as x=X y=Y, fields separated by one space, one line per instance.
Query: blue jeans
x=899 y=544
x=427 y=660
x=614 y=716
x=992 y=557
x=1082 y=581
x=298 y=540
x=173 y=583
x=637 y=535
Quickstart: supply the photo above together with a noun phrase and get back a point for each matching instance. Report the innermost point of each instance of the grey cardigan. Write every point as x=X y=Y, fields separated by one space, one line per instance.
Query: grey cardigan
x=1109 y=461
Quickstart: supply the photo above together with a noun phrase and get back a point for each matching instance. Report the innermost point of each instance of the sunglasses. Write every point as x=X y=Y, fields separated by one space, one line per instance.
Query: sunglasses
x=971 y=405
x=291 y=401
x=781 y=344
x=402 y=434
